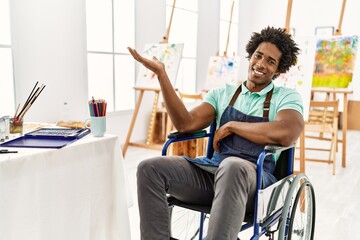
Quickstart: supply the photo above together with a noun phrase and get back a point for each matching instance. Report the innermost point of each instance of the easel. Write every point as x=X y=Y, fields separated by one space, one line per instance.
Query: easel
x=328 y=91
x=338 y=30
x=288 y=16
x=149 y=141
x=344 y=92
x=301 y=139
x=229 y=29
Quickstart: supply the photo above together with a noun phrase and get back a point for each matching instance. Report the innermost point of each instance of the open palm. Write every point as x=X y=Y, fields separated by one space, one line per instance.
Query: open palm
x=153 y=65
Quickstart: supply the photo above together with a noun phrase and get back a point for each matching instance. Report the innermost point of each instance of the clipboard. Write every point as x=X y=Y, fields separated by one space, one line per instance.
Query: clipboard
x=47 y=138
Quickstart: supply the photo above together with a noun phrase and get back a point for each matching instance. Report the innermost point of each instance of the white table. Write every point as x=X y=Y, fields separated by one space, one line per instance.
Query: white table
x=74 y=193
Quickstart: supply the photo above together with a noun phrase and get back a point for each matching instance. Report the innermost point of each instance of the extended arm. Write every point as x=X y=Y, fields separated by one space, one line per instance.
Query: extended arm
x=284 y=130
x=183 y=120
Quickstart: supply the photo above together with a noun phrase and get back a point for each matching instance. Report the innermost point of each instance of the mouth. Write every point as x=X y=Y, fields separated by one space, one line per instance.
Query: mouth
x=258 y=72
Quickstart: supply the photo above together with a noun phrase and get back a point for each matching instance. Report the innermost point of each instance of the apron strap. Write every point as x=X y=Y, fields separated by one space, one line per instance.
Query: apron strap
x=235 y=96
x=266 y=102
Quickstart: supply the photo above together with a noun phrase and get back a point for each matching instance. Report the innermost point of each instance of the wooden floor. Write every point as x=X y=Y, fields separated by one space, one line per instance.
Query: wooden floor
x=337 y=197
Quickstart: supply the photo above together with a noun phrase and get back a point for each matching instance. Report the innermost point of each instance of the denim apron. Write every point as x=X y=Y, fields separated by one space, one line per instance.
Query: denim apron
x=237 y=146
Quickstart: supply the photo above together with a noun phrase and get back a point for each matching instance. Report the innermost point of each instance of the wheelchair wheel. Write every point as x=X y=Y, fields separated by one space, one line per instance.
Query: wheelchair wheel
x=185 y=223
x=302 y=219
x=278 y=195
x=298 y=216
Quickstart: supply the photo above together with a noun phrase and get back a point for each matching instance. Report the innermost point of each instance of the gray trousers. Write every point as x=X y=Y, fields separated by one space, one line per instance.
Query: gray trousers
x=230 y=191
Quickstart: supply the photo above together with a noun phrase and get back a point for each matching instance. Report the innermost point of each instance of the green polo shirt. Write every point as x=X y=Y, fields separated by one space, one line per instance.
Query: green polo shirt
x=252 y=103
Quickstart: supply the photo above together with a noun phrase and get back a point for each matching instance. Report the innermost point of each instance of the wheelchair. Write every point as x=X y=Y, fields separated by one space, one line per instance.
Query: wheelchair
x=284 y=210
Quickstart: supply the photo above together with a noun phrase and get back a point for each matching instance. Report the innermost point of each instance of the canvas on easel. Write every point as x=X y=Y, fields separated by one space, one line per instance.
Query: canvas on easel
x=299 y=76
x=169 y=54
x=222 y=70
x=334 y=61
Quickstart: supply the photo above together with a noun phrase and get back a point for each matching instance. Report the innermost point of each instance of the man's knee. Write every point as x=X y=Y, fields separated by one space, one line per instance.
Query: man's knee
x=237 y=167
x=146 y=164
x=148 y=167
x=236 y=176
x=236 y=172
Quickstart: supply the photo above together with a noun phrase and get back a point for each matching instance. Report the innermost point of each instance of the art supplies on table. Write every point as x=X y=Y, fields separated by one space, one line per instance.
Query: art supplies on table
x=59 y=132
x=97 y=118
x=47 y=138
x=34 y=94
x=71 y=124
x=97 y=107
x=5 y=151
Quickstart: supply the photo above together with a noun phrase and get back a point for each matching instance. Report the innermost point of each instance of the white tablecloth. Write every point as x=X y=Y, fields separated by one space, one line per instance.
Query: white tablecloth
x=74 y=193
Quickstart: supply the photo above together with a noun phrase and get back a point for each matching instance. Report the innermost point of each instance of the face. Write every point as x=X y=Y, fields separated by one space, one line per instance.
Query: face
x=263 y=66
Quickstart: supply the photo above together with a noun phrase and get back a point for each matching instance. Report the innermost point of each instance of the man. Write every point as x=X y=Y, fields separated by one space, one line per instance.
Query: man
x=244 y=127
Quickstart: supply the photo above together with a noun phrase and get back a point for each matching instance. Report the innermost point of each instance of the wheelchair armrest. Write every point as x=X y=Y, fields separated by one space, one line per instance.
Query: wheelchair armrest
x=277 y=148
x=196 y=134
x=183 y=136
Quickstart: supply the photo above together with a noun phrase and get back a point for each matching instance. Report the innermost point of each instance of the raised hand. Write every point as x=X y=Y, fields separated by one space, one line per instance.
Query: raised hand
x=153 y=65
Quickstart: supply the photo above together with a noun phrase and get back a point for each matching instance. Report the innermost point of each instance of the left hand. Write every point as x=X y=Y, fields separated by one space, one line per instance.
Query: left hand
x=220 y=134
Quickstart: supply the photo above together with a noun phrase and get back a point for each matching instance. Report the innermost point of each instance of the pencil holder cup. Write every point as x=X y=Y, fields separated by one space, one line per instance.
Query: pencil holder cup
x=97 y=125
x=16 y=125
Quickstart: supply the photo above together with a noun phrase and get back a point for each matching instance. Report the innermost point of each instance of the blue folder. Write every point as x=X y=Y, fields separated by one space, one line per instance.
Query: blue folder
x=47 y=138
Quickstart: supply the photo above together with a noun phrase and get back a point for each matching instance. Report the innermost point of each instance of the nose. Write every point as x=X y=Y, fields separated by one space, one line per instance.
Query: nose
x=259 y=63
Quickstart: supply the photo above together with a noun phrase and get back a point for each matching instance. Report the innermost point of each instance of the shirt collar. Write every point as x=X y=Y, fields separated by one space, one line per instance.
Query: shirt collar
x=267 y=89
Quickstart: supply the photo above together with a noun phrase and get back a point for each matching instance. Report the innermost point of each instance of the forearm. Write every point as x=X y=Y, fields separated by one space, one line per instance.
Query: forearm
x=275 y=132
x=176 y=109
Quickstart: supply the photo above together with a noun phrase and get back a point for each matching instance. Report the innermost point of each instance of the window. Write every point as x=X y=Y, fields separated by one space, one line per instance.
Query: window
x=225 y=15
x=184 y=30
x=7 y=103
x=111 y=69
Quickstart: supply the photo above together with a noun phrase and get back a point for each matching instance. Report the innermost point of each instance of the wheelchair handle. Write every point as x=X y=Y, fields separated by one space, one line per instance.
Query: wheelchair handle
x=277 y=148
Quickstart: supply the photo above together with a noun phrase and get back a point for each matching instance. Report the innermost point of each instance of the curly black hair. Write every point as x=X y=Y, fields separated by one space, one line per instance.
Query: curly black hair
x=283 y=42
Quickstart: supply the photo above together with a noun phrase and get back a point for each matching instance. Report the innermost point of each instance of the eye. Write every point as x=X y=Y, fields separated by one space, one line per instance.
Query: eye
x=257 y=55
x=272 y=62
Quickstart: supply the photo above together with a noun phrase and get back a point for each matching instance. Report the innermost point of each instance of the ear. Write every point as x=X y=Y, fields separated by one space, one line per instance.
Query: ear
x=276 y=75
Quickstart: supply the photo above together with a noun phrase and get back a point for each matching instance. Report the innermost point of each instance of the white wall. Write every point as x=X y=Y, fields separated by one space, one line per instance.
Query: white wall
x=48 y=40
x=49 y=45
x=207 y=40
